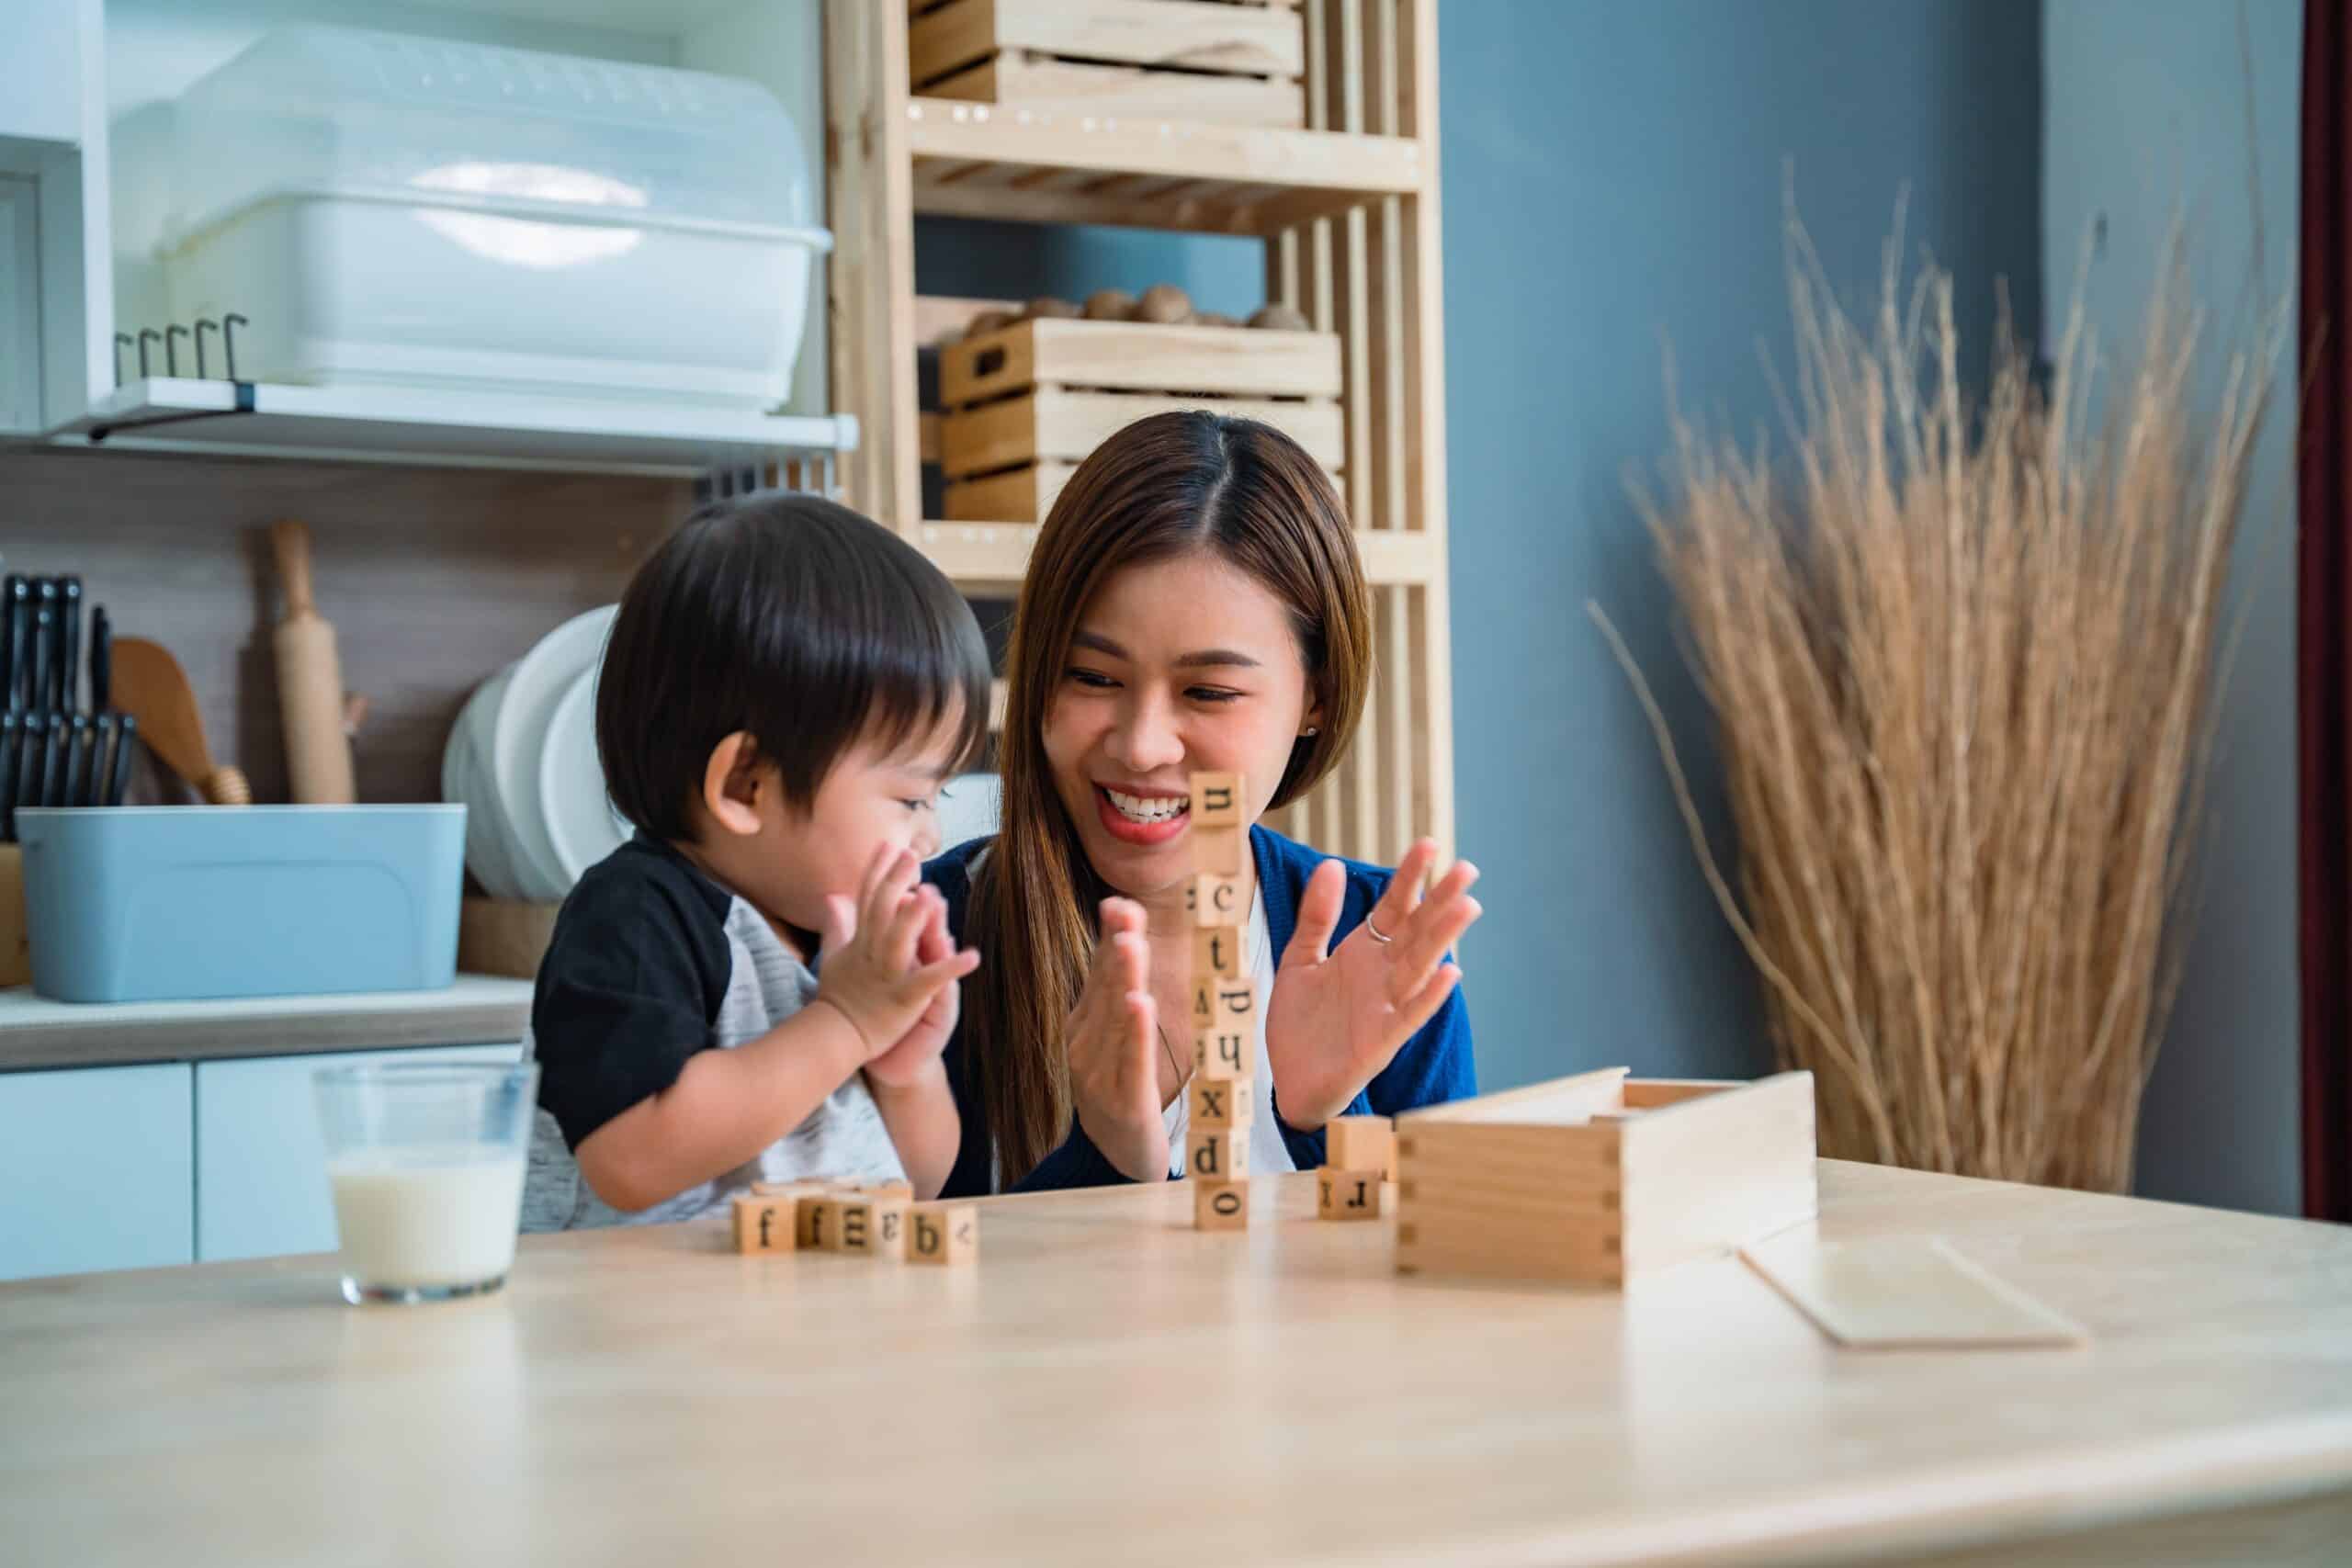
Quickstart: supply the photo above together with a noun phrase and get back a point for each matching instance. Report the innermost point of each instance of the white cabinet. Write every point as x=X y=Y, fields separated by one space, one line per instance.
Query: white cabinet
x=41 y=74
x=96 y=1169
x=261 y=1185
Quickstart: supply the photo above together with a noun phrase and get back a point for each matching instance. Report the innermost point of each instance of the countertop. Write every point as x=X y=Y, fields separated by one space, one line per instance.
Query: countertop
x=1108 y=1385
x=36 y=1032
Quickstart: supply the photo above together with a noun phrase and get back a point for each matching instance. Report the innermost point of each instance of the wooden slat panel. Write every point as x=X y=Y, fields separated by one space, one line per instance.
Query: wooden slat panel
x=1349 y=260
x=1180 y=33
x=1424 y=370
x=1024 y=495
x=962 y=132
x=871 y=210
x=1057 y=422
x=1140 y=356
x=950 y=39
x=1127 y=93
x=1393 y=764
x=1711 y=1173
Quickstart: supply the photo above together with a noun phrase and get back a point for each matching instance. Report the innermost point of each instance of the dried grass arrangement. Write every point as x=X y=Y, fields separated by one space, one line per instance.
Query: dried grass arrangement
x=1961 y=655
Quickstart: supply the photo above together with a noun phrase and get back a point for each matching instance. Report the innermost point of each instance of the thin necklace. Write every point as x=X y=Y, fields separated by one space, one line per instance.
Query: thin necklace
x=1171 y=1049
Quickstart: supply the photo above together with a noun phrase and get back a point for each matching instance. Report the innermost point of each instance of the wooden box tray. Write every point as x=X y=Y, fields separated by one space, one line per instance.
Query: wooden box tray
x=1027 y=403
x=1233 y=64
x=1599 y=1178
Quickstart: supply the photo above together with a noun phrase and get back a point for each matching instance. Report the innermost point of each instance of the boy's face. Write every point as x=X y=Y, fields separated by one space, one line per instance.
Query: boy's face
x=874 y=798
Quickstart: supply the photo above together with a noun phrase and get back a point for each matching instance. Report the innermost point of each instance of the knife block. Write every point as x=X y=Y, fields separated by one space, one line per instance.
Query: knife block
x=504 y=936
x=16 y=939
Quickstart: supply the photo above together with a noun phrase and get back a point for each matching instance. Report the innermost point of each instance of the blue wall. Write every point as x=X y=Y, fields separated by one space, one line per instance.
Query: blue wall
x=1613 y=175
x=2148 y=112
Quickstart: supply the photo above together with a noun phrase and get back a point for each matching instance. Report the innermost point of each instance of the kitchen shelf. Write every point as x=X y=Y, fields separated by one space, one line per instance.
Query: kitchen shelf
x=450 y=428
x=1002 y=162
x=992 y=556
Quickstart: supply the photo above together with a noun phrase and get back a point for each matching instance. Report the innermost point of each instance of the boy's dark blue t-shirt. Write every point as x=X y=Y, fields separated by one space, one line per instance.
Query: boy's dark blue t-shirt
x=1431 y=1068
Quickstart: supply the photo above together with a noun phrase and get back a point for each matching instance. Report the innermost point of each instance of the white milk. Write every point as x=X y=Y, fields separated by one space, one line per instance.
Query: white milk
x=426 y=1216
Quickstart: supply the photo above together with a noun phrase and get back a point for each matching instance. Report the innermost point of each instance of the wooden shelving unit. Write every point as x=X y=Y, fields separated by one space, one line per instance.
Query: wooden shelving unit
x=1348 y=208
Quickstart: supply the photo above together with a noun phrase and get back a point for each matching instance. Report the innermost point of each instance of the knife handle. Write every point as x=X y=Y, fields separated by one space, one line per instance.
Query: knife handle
x=101 y=660
x=68 y=678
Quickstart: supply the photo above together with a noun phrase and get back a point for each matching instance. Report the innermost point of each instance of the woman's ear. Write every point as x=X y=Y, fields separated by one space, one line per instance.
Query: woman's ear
x=1313 y=722
x=731 y=782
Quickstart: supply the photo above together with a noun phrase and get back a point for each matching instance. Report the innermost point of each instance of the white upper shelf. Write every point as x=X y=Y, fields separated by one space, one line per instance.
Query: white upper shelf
x=450 y=428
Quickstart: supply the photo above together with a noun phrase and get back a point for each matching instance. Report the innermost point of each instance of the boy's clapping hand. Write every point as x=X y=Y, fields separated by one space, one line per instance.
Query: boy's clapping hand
x=903 y=1065
x=890 y=968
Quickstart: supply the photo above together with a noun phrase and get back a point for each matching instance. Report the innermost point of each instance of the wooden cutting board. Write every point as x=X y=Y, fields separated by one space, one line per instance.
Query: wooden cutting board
x=1905 y=1293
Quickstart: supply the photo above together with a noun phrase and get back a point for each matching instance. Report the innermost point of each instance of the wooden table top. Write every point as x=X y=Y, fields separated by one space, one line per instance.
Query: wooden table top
x=1108 y=1385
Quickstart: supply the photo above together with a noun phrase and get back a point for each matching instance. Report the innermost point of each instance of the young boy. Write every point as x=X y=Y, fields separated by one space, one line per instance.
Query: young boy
x=786 y=688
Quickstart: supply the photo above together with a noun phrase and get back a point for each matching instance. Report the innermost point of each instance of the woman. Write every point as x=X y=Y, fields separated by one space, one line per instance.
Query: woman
x=1194 y=603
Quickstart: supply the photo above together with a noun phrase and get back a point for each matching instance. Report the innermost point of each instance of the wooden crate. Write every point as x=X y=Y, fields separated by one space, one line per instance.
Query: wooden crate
x=1596 y=1178
x=1126 y=59
x=1027 y=403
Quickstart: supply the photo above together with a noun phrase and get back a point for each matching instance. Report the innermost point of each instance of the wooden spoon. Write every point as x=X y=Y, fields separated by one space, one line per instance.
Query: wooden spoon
x=150 y=685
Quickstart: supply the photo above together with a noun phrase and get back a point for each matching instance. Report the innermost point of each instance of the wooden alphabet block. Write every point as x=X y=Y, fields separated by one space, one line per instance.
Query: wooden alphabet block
x=1217 y=953
x=1216 y=800
x=1201 y=1012
x=1222 y=1054
x=763 y=1224
x=943 y=1233
x=900 y=1189
x=816 y=1225
x=1216 y=900
x=785 y=1188
x=1221 y=1205
x=1222 y=1103
x=1214 y=1154
x=1224 y=852
x=868 y=1225
x=1361 y=1142
x=1236 y=1006
x=1347 y=1194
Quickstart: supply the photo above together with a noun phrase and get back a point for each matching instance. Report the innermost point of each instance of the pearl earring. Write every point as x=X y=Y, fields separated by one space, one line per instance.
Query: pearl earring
x=1307 y=733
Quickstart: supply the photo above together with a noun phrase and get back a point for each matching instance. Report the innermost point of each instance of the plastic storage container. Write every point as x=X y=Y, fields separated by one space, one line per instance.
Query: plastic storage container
x=179 y=903
x=423 y=211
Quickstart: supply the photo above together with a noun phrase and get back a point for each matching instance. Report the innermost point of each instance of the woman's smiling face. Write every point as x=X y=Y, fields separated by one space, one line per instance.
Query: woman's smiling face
x=1179 y=666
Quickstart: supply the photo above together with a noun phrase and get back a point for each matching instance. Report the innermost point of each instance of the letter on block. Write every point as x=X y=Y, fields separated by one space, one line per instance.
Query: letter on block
x=1223 y=852
x=1213 y=1154
x=943 y=1233
x=1347 y=1194
x=1221 y=1053
x=1361 y=1142
x=899 y=1189
x=1215 y=900
x=1202 y=1011
x=1217 y=953
x=817 y=1222
x=763 y=1224
x=1221 y=1103
x=1216 y=800
x=868 y=1223
x=1221 y=1205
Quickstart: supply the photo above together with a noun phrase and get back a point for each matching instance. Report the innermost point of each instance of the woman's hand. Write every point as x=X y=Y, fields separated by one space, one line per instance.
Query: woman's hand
x=1336 y=1019
x=1113 y=1044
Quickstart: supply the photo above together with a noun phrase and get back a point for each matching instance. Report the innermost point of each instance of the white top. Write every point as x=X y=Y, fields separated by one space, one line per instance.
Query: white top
x=1268 y=1152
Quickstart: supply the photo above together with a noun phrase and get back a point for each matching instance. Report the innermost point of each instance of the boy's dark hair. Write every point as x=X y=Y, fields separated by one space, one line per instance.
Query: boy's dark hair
x=796 y=620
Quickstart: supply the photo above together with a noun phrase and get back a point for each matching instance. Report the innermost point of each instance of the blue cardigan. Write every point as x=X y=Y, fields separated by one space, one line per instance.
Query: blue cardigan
x=1432 y=1066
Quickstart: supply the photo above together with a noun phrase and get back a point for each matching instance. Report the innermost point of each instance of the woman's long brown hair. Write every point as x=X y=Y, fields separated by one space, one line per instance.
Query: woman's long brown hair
x=1164 y=486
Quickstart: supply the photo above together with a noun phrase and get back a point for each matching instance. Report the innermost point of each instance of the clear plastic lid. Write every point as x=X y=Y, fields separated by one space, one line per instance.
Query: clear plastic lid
x=386 y=116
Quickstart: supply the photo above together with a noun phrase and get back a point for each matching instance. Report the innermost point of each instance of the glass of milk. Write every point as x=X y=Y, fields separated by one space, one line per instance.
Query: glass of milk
x=426 y=1165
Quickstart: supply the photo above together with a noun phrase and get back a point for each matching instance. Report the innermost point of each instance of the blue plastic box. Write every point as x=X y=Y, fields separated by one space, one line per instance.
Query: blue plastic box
x=181 y=903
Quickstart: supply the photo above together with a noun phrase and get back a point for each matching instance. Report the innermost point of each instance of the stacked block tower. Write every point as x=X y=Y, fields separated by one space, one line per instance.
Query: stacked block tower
x=1223 y=1007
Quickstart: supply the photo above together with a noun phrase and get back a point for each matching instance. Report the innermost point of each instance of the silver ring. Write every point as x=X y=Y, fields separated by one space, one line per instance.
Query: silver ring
x=1374 y=930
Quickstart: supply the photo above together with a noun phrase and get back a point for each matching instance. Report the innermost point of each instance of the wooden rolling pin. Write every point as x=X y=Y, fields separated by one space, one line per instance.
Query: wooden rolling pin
x=309 y=683
x=148 y=684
